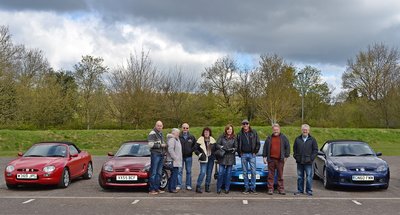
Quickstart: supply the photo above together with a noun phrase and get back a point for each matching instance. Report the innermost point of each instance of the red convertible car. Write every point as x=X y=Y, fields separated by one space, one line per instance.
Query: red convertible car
x=129 y=167
x=49 y=163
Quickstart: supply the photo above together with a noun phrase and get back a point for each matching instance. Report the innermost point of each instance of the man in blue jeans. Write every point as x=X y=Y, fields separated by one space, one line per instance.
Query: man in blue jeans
x=248 y=146
x=188 y=142
x=305 y=149
x=158 y=148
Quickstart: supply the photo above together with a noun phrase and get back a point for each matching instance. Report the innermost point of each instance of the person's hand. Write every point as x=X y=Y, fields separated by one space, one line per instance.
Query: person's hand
x=163 y=145
x=254 y=154
x=232 y=150
x=265 y=160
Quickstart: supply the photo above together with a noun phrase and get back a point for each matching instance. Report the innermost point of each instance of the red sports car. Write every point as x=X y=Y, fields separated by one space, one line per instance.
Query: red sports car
x=49 y=163
x=129 y=167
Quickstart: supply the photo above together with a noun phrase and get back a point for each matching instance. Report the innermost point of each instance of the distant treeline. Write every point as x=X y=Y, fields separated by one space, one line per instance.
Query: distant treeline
x=33 y=95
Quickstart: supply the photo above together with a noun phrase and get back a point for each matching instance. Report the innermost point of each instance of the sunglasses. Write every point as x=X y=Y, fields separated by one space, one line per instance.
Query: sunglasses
x=185 y=128
x=245 y=123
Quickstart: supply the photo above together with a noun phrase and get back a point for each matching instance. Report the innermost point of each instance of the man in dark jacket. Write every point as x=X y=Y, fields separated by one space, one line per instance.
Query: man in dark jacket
x=158 y=148
x=305 y=150
x=276 y=151
x=248 y=146
x=188 y=142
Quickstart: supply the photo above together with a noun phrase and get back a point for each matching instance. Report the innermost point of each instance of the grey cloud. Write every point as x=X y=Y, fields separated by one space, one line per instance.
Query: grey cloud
x=311 y=31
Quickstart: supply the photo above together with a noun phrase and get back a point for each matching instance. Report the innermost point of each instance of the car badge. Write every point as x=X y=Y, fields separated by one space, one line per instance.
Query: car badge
x=27 y=170
x=126 y=170
x=362 y=169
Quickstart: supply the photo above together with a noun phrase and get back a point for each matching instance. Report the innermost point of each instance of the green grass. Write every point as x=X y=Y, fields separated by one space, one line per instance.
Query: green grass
x=99 y=142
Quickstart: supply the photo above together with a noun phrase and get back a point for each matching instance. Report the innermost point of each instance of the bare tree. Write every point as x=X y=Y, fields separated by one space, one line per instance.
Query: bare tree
x=374 y=73
x=88 y=75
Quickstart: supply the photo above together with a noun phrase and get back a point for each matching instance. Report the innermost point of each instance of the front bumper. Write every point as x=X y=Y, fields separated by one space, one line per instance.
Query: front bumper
x=235 y=180
x=345 y=179
x=108 y=179
x=43 y=178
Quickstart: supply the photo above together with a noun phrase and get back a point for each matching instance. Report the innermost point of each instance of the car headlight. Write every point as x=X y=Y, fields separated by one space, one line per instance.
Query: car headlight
x=339 y=168
x=382 y=168
x=146 y=168
x=108 y=168
x=49 y=169
x=9 y=168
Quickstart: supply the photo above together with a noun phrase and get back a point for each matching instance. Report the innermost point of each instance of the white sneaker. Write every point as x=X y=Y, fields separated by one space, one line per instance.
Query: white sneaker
x=189 y=188
x=178 y=188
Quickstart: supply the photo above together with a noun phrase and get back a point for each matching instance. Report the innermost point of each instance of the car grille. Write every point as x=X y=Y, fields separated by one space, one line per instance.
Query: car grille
x=362 y=169
x=27 y=170
x=130 y=170
x=139 y=181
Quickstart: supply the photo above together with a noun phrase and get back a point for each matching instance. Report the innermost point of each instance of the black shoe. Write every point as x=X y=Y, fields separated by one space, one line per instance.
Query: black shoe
x=198 y=190
x=226 y=191
x=254 y=192
x=208 y=189
x=246 y=191
x=298 y=193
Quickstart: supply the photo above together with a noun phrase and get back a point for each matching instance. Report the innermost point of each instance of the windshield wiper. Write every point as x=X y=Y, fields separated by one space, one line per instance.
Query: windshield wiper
x=56 y=156
x=127 y=155
x=366 y=154
x=33 y=156
x=342 y=155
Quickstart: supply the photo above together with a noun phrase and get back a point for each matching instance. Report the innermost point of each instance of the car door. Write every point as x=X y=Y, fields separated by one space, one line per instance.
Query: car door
x=321 y=159
x=75 y=163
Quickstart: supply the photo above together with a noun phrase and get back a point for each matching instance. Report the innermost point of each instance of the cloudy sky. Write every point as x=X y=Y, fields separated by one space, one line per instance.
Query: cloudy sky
x=193 y=34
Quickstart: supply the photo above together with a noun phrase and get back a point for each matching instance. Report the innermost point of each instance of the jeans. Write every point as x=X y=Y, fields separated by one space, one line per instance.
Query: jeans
x=206 y=169
x=224 y=176
x=249 y=159
x=307 y=168
x=173 y=180
x=275 y=173
x=156 y=166
x=187 y=164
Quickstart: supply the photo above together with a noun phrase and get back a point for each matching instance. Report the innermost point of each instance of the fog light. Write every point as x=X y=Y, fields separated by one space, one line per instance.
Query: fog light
x=109 y=180
x=46 y=175
x=381 y=180
x=342 y=180
x=9 y=174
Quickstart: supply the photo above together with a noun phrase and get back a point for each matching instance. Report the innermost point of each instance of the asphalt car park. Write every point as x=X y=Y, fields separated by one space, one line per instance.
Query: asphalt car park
x=87 y=197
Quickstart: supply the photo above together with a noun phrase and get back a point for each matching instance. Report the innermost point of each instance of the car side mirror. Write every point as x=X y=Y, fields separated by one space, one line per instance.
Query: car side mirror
x=379 y=154
x=74 y=155
x=321 y=153
x=110 y=154
x=20 y=154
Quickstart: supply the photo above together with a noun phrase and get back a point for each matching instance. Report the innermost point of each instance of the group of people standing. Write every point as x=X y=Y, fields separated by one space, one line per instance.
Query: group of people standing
x=179 y=146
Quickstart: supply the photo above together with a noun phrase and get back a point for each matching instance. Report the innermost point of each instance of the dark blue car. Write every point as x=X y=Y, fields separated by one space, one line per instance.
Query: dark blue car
x=261 y=170
x=350 y=163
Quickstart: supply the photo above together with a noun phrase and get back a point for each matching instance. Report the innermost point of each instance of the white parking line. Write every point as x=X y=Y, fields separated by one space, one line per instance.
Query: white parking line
x=356 y=202
x=135 y=202
x=27 y=201
x=245 y=202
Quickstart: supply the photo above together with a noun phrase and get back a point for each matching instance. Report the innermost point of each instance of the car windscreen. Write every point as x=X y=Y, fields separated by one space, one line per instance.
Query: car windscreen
x=133 y=150
x=351 y=149
x=47 y=150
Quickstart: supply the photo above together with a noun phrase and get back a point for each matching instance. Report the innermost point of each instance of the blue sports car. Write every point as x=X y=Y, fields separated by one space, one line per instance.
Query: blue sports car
x=350 y=163
x=261 y=170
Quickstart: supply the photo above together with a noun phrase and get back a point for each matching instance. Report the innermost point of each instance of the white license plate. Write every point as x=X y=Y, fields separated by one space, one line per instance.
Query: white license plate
x=26 y=176
x=126 y=178
x=362 y=177
x=249 y=176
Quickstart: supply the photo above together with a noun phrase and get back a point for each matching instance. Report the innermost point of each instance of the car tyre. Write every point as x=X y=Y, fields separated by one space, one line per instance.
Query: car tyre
x=65 y=179
x=327 y=183
x=89 y=171
x=11 y=186
x=164 y=179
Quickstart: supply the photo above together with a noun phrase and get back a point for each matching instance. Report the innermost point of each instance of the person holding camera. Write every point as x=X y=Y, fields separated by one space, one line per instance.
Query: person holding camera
x=158 y=148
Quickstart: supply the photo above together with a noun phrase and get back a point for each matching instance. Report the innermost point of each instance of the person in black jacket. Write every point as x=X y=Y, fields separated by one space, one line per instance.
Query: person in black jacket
x=275 y=152
x=188 y=142
x=226 y=142
x=248 y=146
x=305 y=150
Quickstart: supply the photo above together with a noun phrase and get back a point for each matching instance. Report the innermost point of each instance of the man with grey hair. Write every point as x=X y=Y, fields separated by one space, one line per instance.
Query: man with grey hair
x=157 y=147
x=305 y=149
x=275 y=152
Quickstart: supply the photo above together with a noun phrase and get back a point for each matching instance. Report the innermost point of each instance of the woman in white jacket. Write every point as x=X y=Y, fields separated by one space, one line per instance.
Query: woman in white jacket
x=174 y=155
x=205 y=151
